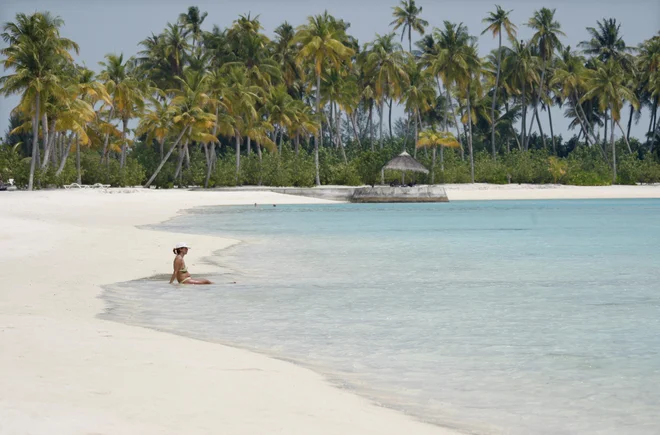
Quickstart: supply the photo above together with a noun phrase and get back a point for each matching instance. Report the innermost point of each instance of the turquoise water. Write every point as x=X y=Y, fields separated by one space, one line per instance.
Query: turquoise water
x=537 y=317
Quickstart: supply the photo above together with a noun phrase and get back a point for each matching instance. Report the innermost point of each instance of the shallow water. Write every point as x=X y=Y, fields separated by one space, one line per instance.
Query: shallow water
x=491 y=317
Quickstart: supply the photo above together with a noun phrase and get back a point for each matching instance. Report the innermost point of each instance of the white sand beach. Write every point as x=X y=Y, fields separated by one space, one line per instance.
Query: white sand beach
x=482 y=191
x=64 y=371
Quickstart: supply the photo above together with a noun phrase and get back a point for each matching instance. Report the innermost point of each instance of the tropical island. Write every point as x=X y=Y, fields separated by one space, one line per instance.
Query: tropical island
x=312 y=105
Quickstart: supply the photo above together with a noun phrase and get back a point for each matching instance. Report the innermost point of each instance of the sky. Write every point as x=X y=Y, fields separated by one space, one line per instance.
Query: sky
x=102 y=27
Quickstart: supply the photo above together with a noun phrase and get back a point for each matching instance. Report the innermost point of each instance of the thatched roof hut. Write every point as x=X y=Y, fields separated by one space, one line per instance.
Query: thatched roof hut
x=405 y=162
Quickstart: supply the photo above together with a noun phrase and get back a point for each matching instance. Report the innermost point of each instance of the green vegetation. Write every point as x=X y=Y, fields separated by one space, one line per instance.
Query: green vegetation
x=313 y=105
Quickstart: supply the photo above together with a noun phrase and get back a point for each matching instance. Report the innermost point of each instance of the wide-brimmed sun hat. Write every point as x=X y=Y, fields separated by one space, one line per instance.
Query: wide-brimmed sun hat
x=182 y=245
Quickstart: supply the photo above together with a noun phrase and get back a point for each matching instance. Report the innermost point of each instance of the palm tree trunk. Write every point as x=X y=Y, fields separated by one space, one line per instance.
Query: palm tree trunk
x=339 y=141
x=167 y=156
x=458 y=131
x=182 y=154
x=248 y=145
x=538 y=122
x=380 y=115
x=78 y=159
x=390 y=118
x=540 y=101
x=104 y=154
x=433 y=165
x=319 y=134
x=329 y=119
x=552 y=132
x=623 y=135
x=630 y=118
x=35 y=140
x=605 y=136
x=654 y=110
x=209 y=168
x=297 y=143
x=523 y=136
x=48 y=152
x=371 y=125
x=470 y=133
x=416 y=136
x=613 y=148
x=355 y=129
x=44 y=133
x=122 y=160
x=65 y=155
x=492 y=106
x=238 y=155
x=421 y=126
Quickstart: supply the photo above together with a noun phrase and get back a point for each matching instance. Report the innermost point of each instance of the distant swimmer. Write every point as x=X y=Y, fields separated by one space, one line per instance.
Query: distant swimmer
x=181 y=273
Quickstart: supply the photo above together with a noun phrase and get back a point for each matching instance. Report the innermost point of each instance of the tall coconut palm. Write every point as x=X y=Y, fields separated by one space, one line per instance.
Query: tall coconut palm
x=498 y=21
x=242 y=98
x=546 y=39
x=607 y=43
x=468 y=77
x=448 y=60
x=386 y=60
x=520 y=68
x=280 y=109
x=607 y=83
x=35 y=52
x=406 y=17
x=570 y=77
x=192 y=22
x=322 y=45
x=649 y=65
x=418 y=95
x=121 y=79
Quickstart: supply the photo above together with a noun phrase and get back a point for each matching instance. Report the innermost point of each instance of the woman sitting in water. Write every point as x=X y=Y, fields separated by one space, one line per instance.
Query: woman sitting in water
x=181 y=273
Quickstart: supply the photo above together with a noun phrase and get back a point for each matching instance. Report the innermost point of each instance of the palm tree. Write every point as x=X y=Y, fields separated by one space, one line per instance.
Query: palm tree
x=497 y=21
x=242 y=97
x=192 y=22
x=418 y=95
x=520 y=68
x=607 y=84
x=35 y=52
x=406 y=16
x=454 y=61
x=280 y=109
x=432 y=138
x=606 y=43
x=649 y=65
x=321 y=45
x=570 y=76
x=121 y=79
x=387 y=62
x=546 y=39
x=189 y=117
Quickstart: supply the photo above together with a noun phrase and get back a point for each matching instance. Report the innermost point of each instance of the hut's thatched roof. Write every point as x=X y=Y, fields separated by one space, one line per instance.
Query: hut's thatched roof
x=404 y=162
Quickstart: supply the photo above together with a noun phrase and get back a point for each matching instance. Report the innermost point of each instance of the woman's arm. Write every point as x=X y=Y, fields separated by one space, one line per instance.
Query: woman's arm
x=177 y=266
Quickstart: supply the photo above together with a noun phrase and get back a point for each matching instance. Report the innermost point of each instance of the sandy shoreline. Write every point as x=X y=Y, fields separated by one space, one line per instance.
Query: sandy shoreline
x=64 y=371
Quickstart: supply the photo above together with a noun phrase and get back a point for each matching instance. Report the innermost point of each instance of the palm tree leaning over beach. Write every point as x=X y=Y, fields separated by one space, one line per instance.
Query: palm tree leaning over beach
x=498 y=21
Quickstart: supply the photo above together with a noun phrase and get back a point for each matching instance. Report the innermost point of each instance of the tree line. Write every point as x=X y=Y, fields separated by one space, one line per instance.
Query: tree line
x=313 y=105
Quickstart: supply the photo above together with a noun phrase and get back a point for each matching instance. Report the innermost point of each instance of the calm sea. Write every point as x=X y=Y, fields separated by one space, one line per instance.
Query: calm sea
x=509 y=317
